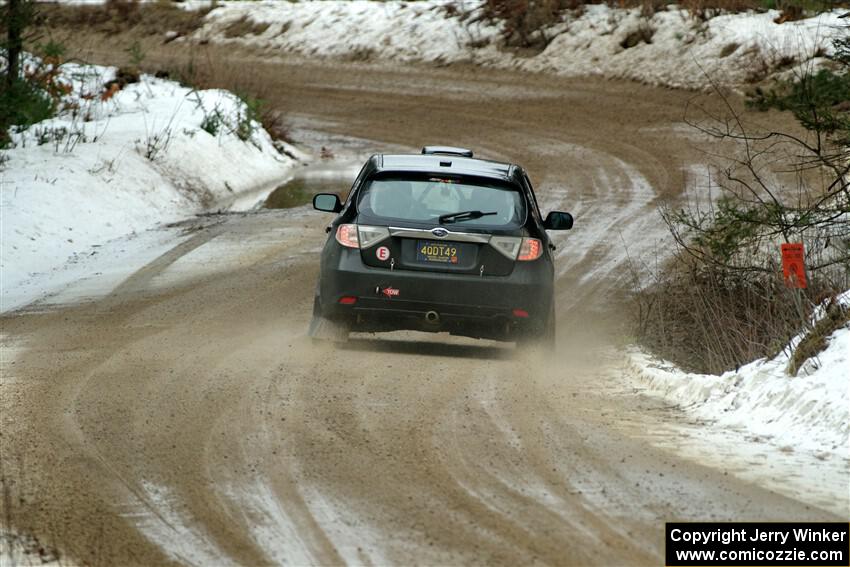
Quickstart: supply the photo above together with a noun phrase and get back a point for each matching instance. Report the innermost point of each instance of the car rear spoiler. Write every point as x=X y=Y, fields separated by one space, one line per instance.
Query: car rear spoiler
x=447 y=150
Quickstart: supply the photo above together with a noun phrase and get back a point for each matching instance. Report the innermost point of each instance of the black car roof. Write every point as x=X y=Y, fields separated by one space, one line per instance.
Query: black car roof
x=443 y=163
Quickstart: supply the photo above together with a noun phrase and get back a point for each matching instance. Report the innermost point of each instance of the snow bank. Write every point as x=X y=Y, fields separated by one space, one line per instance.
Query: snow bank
x=103 y=169
x=809 y=412
x=731 y=49
x=356 y=29
x=676 y=50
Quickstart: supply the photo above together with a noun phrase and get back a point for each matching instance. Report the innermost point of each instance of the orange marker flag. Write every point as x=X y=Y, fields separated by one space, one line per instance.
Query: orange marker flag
x=793 y=265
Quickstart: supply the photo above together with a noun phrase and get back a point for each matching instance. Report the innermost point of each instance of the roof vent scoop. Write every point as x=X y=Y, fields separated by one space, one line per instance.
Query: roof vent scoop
x=447 y=150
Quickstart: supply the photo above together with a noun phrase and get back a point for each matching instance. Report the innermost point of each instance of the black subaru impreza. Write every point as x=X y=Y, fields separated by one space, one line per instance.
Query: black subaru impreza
x=438 y=241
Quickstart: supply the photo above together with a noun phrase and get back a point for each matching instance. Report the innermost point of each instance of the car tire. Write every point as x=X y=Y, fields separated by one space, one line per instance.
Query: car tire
x=542 y=337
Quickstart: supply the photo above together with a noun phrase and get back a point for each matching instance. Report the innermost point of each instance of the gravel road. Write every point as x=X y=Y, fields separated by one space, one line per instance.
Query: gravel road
x=185 y=417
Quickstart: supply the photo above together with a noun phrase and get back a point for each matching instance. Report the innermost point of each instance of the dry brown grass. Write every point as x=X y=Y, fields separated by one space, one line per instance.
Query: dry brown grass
x=525 y=20
x=704 y=9
x=117 y=17
x=244 y=26
x=815 y=341
x=216 y=67
x=714 y=321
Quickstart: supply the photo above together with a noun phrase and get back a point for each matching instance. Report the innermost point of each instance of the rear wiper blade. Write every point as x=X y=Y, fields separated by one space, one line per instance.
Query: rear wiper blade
x=464 y=215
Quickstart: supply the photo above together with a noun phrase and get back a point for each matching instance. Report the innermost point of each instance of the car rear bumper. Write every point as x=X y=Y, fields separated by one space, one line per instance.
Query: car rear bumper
x=470 y=305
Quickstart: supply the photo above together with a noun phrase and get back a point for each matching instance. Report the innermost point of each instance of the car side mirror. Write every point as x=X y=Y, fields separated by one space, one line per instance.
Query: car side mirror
x=557 y=220
x=327 y=202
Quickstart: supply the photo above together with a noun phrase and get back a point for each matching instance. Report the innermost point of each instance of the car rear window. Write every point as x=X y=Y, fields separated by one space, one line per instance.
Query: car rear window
x=425 y=199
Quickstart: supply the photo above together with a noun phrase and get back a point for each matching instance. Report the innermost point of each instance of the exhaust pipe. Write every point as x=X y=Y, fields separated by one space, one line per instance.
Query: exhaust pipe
x=432 y=317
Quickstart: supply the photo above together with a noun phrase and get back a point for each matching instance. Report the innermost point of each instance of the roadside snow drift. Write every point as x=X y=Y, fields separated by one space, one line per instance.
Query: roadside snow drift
x=356 y=29
x=809 y=412
x=670 y=48
x=114 y=163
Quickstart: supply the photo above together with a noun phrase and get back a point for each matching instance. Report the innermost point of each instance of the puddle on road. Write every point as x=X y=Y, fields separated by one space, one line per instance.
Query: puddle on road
x=300 y=189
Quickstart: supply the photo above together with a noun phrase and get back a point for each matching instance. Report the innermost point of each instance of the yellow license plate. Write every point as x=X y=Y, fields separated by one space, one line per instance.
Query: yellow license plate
x=430 y=251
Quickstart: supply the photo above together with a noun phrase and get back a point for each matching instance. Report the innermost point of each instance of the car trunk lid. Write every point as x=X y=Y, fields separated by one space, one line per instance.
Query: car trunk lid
x=439 y=249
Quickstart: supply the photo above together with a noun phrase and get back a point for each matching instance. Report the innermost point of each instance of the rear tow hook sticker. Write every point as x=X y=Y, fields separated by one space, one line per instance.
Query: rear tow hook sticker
x=390 y=292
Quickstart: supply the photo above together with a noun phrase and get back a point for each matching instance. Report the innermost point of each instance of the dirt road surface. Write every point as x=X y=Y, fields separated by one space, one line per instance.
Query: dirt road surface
x=185 y=417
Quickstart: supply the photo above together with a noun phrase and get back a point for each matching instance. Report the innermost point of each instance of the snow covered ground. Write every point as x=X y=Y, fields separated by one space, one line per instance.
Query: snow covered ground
x=790 y=434
x=809 y=412
x=670 y=48
x=27 y=551
x=111 y=166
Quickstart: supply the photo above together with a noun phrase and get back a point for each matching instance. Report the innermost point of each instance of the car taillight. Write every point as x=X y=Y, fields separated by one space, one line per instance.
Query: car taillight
x=530 y=249
x=360 y=236
x=346 y=234
x=522 y=313
x=371 y=235
x=507 y=245
x=348 y=300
